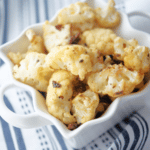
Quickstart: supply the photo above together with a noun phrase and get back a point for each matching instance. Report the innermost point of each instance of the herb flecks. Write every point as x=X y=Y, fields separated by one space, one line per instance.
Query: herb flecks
x=59 y=27
x=118 y=93
x=56 y=84
x=75 y=39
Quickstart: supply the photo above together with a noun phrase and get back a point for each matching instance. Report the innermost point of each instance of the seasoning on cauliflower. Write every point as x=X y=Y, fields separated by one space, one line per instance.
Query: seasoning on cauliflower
x=99 y=38
x=115 y=80
x=59 y=93
x=137 y=58
x=56 y=35
x=32 y=71
x=73 y=58
x=108 y=17
x=79 y=15
x=99 y=61
x=96 y=59
x=84 y=106
x=119 y=47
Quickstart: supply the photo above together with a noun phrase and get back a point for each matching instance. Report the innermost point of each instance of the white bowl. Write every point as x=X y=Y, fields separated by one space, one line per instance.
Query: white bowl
x=119 y=108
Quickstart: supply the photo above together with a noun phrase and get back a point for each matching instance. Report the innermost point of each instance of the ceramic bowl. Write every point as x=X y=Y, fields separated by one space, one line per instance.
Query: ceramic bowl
x=88 y=131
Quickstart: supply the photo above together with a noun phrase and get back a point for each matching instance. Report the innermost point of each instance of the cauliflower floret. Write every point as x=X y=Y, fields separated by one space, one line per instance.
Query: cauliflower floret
x=81 y=27
x=76 y=13
x=79 y=15
x=84 y=106
x=137 y=58
x=99 y=61
x=36 y=45
x=99 y=38
x=59 y=93
x=119 y=47
x=15 y=57
x=96 y=59
x=32 y=71
x=73 y=58
x=36 y=42
x=108 y=17
x=56 y=35
x=115 y=80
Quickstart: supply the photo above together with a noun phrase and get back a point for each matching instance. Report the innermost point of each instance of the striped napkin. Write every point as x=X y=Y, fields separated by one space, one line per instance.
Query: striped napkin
x=130 y=134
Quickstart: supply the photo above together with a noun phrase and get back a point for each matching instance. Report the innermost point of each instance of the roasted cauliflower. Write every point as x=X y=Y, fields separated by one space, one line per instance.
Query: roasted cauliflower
x=84 y=106
x=120 y=45
x=56 y=35
x=32 y=71
x=99 y=38
x=137 y=58
x=15 y=57
x=80 y=64
x=73 y=58
x=36 y=42
x=115 y=80
x=59 y=93
x=79 y=15
x=108 y=16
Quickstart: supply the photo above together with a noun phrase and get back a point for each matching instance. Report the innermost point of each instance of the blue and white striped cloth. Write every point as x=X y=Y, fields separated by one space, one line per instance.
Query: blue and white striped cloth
x=130 y=134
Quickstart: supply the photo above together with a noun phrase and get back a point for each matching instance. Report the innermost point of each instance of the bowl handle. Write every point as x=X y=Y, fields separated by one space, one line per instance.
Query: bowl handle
x=139 y=13
x=21 y=121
